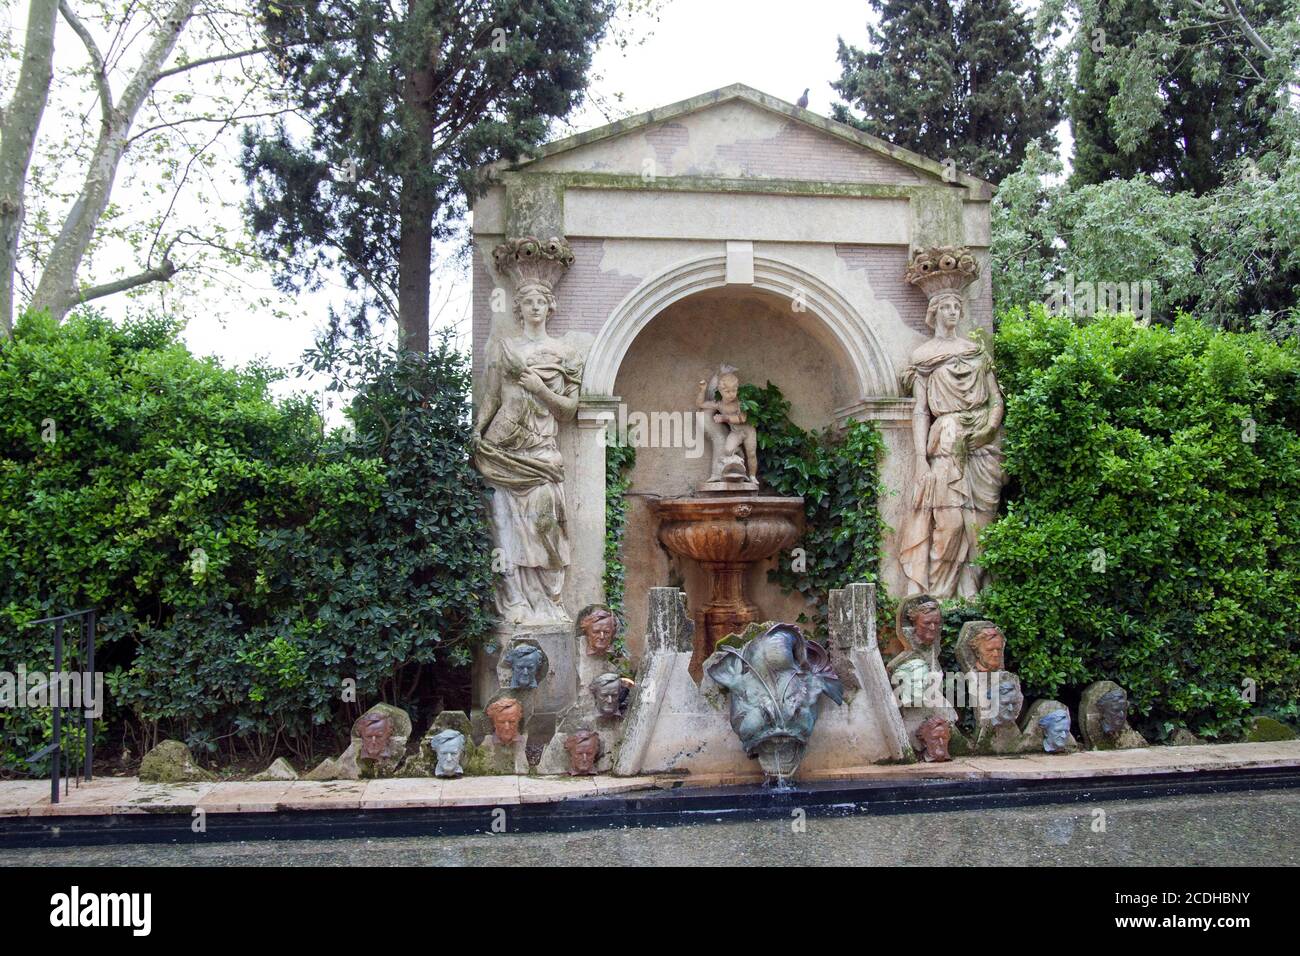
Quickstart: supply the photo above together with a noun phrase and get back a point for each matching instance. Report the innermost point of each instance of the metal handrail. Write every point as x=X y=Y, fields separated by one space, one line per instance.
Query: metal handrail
x=60 y=617
x=54 y=750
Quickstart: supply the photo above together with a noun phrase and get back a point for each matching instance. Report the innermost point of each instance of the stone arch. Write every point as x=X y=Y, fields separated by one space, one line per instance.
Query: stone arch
x=871 y=365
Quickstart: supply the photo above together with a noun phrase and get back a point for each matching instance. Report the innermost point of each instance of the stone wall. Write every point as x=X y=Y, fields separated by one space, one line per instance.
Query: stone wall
x=734 y=140
x=640 y=202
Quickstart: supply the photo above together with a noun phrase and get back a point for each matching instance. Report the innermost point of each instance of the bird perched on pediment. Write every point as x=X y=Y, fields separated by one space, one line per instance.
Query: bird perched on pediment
x=802 y=102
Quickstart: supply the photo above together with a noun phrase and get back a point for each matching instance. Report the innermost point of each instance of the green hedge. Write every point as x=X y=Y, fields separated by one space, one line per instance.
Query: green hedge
x=1152 y=533
x=245 y=562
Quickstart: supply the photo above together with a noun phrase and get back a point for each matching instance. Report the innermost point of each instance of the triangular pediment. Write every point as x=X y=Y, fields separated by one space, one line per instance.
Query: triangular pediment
x=739 y=133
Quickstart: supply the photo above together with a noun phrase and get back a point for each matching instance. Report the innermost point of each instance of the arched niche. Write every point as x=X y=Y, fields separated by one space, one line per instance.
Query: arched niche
x=759 y=332
x=811 y=302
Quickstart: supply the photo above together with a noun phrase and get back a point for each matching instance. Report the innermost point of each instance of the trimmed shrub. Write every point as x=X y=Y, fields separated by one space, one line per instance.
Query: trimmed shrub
x=1152 y=533
x=244 y=561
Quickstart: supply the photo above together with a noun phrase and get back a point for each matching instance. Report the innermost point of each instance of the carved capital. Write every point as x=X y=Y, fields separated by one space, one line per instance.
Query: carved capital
x=529 y=260
x=942 y=269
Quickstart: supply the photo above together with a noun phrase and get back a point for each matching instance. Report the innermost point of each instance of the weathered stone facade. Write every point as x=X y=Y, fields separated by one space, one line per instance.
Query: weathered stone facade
x=728 y=227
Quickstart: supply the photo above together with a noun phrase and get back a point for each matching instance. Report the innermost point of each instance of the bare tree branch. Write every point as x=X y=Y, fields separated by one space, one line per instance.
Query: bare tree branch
x=159 y=273
x=238 y=54
x=100 y=71
x=57 y=290
x=224 y=120
x=1257 y=41
x=188 y=166
x=1239 y=18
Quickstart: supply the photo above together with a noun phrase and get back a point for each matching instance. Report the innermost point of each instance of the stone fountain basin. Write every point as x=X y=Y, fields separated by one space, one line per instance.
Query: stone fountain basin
x=729 y=528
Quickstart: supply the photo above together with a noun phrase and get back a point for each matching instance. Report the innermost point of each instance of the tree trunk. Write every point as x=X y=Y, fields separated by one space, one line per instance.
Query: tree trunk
x=21 y=119
x=415 y=251
x=58 y=290
x=415 y=242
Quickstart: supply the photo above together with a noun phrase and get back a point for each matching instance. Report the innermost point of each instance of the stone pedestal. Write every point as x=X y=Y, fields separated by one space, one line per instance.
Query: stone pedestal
x=585 y=487
x=1005 y=739
x=725 y=534
x=493 y=757
x=728 y=610
x=675 y=724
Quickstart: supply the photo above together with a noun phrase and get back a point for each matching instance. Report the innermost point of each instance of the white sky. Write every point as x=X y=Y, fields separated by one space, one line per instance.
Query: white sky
x=695 y=46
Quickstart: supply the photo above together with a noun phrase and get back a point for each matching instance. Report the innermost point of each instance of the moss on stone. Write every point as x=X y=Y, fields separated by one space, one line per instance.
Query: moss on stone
x=1268 y=729
x=171 y=762
x=909 y=756
x=958 y=745
x=534 y=205
x=475 y=761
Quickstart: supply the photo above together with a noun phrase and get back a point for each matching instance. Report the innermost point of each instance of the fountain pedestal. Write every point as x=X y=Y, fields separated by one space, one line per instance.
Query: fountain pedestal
x=728 y=610
x=727 y=533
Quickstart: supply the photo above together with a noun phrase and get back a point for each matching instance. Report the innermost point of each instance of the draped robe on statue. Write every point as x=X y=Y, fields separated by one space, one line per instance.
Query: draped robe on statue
x=519 y=456
x=937 y=546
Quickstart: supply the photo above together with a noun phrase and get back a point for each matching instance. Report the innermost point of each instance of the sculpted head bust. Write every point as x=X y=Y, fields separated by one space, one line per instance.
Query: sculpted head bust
x=981 y=647
x=525 y=661
x=505 y=714
x=583 y=747
x=1112 y=708
x=1056 y=730
x=607 y=689
x=599 y=627
x=1010 y=700
x=534 y=301
x=927 y=622
x=945 y=311
x=988 y=645
x=448 y=746
x=934 y=734
x=376 y=732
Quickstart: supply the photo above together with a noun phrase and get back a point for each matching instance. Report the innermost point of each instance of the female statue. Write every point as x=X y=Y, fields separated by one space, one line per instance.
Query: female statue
x=956 y=417
x=532 y=385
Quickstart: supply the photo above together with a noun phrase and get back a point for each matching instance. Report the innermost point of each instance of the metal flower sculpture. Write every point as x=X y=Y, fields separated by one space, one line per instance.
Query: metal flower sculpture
x=774 y=684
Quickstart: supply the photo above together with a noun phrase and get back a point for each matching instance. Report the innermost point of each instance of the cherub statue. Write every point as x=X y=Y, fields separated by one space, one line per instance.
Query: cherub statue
x=740 y=433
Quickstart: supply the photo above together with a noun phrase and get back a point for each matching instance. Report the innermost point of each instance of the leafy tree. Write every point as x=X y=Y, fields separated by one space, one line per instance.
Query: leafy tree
x=957 y=79
x=1230 y=256
x=1178 y=90
x=402 y=114
x=1152 y=516
x=135 y=94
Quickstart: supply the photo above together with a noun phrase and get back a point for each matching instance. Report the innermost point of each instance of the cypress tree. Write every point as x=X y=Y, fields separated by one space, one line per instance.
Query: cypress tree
x=1162 y=94
x=951 y=79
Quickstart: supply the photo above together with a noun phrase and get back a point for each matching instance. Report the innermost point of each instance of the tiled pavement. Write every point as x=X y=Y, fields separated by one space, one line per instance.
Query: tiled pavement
x=117 y=795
